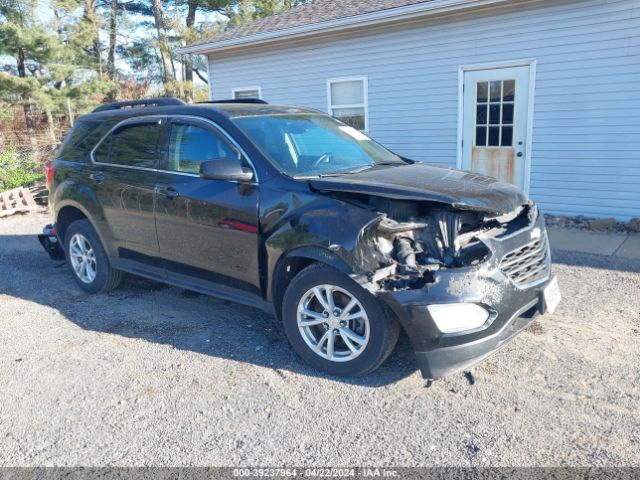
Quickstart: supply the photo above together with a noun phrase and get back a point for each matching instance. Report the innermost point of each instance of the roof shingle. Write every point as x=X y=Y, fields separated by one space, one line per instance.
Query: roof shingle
x=314 y=12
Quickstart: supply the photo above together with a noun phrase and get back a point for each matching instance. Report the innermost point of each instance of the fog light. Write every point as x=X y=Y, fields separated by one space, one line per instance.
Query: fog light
x=458 y=317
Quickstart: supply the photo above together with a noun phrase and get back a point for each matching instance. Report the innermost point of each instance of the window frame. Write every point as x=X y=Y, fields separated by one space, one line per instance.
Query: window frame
x=198 y=123
x=163 y=120
x=365 y=93
x=225 y=135
x=147 y=119
x=244 y=89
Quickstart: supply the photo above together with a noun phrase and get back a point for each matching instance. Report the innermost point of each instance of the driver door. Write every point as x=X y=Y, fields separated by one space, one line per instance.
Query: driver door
x=207 y=229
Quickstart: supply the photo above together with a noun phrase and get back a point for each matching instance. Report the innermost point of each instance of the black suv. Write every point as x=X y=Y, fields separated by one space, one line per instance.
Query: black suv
x=289 y=210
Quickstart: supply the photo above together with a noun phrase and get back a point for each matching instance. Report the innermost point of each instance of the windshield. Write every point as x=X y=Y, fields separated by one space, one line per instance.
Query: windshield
x=312 y=145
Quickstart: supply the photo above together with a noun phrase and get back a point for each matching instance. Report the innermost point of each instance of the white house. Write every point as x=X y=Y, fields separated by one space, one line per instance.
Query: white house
x=545 y=94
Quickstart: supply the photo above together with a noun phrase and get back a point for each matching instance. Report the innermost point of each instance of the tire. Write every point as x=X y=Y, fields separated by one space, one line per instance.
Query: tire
x=82 y=238
x=373 y=334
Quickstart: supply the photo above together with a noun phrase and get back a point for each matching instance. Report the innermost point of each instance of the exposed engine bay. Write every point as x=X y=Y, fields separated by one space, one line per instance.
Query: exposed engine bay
x=411 y=240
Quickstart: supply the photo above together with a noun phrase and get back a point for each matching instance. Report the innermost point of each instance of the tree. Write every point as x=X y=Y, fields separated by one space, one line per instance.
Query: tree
x=169 y=71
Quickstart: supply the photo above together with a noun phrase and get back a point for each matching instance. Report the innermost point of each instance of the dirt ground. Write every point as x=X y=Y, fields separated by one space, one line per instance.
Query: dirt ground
x=154 y=375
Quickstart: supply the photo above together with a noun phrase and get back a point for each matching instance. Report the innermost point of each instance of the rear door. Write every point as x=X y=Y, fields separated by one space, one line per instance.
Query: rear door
x=207 y=229
x=124 y=174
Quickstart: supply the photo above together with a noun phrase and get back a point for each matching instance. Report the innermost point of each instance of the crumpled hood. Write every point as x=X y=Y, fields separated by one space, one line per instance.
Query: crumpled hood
x=419 y=181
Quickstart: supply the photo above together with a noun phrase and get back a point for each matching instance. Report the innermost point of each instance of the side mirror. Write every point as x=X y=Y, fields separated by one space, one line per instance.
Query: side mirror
x=225 y=169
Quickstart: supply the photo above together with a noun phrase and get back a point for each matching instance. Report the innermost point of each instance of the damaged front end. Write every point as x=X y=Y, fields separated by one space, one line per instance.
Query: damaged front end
x=411 y=241
x=437 y=266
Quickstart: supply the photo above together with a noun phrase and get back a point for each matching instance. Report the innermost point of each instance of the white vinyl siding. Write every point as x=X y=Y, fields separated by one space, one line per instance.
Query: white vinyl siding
x=585 y=157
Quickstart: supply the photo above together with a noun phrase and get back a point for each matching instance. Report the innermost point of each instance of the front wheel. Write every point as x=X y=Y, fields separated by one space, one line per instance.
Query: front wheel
x=336 y=325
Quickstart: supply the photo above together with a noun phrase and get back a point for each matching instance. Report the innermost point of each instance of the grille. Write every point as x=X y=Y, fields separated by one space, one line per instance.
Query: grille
x=527 y=264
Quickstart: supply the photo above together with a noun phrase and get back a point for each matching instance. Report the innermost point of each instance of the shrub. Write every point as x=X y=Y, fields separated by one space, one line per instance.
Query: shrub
x=18 y=170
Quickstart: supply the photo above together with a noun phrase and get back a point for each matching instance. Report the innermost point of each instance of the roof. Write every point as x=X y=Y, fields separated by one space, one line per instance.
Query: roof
x=323 y=16
x=314 y=12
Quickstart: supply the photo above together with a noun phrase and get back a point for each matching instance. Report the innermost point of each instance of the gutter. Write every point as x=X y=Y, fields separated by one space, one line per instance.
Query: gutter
x=380 y=17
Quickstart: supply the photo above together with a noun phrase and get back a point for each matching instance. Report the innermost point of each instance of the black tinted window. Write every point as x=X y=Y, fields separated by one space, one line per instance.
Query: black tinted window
x=190 y=145
x=131 y=145
x=80 y=140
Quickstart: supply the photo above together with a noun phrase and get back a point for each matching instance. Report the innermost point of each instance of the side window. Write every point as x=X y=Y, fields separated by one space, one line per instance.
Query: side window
x=191 y=145
x=132 y=146
x=80 y=140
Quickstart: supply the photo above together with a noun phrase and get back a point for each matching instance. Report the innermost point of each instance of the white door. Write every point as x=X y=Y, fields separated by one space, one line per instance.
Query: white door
x=494 y=131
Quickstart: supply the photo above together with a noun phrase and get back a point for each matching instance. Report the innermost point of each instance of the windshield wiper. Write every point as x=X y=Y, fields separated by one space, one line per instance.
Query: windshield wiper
x=346 y=172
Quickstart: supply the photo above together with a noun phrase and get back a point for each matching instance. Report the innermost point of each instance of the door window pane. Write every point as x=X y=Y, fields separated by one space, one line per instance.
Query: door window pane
x=495 y=90
x=483 y=89
x=494 y=136
x=507 y=113
x=132 y=145
x=495 y=113
x=189 y=146
x=481 y=136
x=481 y=115
x=506 y=139
x=508 y=90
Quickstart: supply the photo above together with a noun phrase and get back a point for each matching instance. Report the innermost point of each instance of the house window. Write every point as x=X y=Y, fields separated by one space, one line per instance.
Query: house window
x=347 y=101
x=246 y=92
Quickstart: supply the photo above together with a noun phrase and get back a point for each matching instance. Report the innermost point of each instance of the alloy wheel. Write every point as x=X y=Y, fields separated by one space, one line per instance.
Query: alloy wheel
x=333 y=323
x=83 y=258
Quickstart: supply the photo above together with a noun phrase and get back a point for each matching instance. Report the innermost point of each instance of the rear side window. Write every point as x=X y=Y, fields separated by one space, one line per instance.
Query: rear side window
x=191 y=145
x=131 y=146
x=80 y=140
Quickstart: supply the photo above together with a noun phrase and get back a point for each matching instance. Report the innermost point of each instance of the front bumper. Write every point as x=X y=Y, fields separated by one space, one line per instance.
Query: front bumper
x=512 y=305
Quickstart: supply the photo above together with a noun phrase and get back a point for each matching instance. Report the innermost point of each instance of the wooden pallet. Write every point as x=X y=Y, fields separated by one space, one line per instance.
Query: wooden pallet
x=18 y=200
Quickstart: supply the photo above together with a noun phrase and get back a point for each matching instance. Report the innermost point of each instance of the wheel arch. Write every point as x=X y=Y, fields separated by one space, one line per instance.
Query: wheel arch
x=293 y=262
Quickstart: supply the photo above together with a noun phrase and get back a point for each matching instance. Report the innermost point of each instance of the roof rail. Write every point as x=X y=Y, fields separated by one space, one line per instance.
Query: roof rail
x=145 y=102
x=239 y=100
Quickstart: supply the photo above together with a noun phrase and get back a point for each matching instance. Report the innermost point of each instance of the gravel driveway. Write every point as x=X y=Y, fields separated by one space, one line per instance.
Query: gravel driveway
x=154 y=375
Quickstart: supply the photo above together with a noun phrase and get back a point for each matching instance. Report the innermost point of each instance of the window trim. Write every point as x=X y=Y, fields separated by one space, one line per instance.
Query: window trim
x=244 y=89
x=166 y=119
x=365 y=87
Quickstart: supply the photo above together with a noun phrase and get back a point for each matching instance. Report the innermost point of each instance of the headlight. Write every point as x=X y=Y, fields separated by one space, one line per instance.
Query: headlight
x=458 y=317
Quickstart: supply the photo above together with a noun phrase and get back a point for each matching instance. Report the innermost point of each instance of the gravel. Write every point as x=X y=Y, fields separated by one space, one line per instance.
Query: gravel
x=154 y=375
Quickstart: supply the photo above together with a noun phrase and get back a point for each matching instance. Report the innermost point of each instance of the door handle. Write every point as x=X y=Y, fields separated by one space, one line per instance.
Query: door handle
x=97 y=177
x=170 y=193
x=519 y=154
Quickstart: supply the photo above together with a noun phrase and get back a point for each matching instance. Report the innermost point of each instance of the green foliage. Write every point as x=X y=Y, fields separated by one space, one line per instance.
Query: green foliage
x=18 y=171
x=50 y=62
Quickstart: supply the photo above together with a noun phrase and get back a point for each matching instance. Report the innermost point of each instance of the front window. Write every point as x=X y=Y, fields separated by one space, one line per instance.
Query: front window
x=190 y=145
x=310 y=145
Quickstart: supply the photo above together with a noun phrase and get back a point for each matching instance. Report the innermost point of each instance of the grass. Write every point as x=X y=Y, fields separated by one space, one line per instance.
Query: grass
x=18 y=170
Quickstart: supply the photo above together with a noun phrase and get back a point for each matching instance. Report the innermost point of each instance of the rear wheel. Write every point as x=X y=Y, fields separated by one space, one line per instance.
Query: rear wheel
x=87 y=259
x=336 y=325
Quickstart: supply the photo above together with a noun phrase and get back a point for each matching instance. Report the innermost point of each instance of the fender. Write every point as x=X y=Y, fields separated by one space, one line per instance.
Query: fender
x=73 y=194
x=321 y=229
